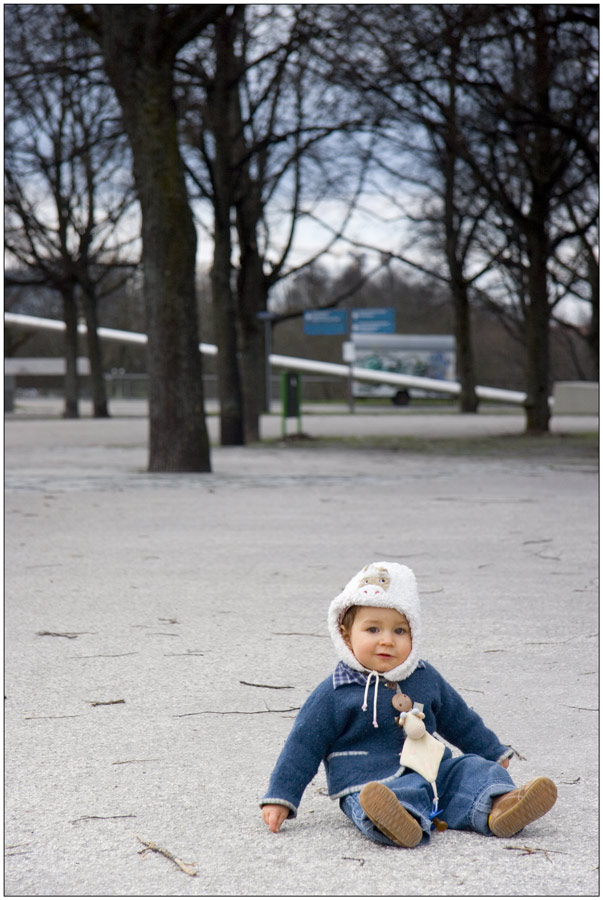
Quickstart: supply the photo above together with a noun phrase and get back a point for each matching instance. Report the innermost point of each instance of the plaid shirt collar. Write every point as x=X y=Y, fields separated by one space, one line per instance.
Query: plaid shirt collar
x=344 y=674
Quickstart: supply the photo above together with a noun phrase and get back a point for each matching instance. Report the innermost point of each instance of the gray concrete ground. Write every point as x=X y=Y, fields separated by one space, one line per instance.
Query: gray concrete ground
x=161 y=632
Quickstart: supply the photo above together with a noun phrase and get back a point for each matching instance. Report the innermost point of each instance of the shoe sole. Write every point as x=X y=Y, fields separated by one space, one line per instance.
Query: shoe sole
x=384 y=810
x=539 y=798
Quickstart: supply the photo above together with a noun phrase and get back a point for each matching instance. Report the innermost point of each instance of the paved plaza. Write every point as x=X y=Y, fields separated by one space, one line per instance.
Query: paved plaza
x=163 y=630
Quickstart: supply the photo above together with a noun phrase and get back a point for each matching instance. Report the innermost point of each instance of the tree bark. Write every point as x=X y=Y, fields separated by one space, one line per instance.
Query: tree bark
x=536 y=226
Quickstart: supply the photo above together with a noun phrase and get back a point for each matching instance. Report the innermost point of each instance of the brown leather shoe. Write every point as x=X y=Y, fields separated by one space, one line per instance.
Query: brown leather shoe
x=384 y=810
x=513 y=811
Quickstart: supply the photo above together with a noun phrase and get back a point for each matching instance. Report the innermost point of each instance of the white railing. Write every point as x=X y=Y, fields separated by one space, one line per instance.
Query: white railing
x=292 y=363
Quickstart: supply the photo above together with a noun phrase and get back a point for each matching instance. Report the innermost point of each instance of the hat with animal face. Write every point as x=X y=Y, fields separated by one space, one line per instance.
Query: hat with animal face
x=386 y=584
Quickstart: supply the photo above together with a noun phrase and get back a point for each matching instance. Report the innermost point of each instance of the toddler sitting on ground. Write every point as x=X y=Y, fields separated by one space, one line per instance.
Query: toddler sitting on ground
x=372 y=724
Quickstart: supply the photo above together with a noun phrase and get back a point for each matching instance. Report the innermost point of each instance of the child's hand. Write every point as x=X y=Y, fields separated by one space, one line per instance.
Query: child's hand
x=505 y=763
x=274 y=815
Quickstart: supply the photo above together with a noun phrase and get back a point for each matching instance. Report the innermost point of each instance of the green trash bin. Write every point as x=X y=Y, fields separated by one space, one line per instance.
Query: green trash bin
x=291 y=398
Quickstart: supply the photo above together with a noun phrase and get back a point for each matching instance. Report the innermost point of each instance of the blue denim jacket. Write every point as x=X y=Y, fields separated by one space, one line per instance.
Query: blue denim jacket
x=332 y=728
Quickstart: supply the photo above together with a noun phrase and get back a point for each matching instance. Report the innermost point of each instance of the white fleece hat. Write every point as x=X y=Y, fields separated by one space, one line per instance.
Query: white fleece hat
x=379 y=584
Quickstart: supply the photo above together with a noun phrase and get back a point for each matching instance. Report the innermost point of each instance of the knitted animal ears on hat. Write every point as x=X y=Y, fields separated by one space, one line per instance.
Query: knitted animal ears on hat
x=384 y=584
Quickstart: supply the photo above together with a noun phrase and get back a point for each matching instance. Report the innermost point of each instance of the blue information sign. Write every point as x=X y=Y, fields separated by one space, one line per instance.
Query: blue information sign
x=325 y=321
x=381 y=320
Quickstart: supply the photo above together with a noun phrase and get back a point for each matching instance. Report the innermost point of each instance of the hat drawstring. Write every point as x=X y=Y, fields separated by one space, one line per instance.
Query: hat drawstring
x=366 y=690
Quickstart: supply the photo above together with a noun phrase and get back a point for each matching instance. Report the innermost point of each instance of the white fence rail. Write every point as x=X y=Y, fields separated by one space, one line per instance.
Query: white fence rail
x=291 y=363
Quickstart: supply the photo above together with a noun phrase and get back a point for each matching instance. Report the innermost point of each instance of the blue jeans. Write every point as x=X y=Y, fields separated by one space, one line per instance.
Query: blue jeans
x=466 y=787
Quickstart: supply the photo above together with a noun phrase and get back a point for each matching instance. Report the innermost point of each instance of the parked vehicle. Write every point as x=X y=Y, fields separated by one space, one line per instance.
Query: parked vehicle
x=425 y=355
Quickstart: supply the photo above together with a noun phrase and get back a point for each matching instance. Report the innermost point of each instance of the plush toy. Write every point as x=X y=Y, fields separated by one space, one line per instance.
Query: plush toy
x=421 y=751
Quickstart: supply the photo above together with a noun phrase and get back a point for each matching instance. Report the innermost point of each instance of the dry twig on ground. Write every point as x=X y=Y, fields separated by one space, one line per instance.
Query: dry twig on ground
x=104 y=702
x=187 y=868
x=528 y=851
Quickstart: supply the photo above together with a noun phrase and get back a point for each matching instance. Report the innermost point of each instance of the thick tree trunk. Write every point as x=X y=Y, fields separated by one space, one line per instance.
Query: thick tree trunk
x=254 y=374
x=178 y=435
x=252 y=297
x=535 y=228
x=138 y=57
x=229 y=383
x=100 y=408
x=221 y=105
x=71 y=383
x=465 y=368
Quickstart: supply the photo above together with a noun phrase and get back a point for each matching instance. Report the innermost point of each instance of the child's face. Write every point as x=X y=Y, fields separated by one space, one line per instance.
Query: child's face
x=379 y=638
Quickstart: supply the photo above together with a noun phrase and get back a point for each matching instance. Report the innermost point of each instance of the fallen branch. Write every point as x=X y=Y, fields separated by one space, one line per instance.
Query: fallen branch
x=187 y=868
x=31 y=718
x=357 y=859
x=66 y=634
x=105 y=655
x=300 y=633
x=518 y=754
x=127 y=762
x=104 y=702
x=528 y=851
x=88 y=818
x=587 y=708
x=272 y=687
x=235 y=712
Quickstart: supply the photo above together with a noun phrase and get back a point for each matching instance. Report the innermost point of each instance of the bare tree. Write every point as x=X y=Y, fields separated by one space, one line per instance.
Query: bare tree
x=507 y=98
x=139 y=44
x=262 y=121
x=214 y=120
x=532 y=149
x=405 y=63
x=66 y=191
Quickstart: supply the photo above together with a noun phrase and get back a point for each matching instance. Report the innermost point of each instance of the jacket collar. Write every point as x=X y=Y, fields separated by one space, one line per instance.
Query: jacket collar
x=344 y=674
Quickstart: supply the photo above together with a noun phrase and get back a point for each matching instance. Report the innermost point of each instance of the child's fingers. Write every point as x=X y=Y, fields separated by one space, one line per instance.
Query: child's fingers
x=277 y=817
x=274 y=818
